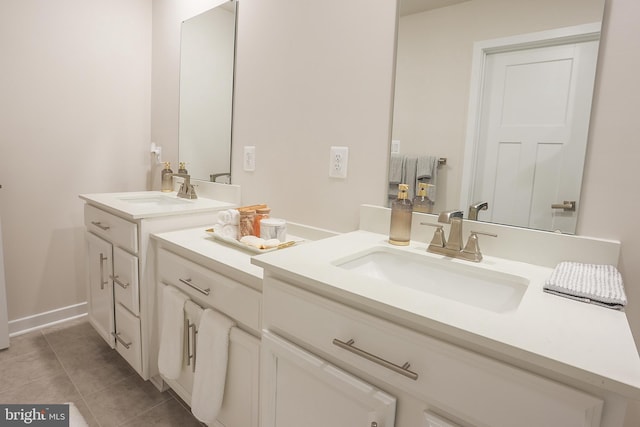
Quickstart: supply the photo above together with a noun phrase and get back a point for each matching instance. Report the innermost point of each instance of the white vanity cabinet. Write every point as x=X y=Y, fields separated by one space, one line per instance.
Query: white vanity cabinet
x=210 y=289
x=120 y=286
x=436 y=383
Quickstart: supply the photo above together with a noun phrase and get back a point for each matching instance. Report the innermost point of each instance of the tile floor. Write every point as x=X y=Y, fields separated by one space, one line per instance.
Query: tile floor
x=70 y=362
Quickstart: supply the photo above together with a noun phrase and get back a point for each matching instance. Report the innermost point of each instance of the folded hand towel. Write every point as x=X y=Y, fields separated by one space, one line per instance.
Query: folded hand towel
x=229 y=216
x=211 y=369
x=172 y=332
x=410 y=175
x=427 y=171
x=593 y=283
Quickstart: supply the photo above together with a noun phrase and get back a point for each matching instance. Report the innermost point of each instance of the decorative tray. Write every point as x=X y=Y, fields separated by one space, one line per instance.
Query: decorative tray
x=234 y=242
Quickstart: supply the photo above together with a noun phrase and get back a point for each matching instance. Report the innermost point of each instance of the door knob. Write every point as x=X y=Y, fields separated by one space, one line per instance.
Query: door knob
x=567 y=206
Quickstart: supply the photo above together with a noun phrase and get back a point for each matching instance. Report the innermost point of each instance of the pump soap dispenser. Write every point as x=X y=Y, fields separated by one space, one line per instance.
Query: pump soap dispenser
x=401 y=208
x=167 y=178
x=422 y=203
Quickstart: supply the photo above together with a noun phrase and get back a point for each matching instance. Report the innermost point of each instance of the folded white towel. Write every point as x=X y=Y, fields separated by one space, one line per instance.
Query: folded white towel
x=229 y=216
x=172 y=332
x=211 y=369
x=592 y=283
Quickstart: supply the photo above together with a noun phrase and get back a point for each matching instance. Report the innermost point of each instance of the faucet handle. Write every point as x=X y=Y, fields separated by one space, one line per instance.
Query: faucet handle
x=471 y=250
x=438 y=239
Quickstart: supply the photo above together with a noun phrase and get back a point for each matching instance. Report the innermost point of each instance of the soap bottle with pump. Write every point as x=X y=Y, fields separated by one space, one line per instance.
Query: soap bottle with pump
x=401 y=209
x=182 y=168
x=167 y=178
x=422 y=203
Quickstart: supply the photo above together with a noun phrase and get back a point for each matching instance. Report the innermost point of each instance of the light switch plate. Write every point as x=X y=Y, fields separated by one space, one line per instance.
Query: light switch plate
x=338 y=162
x=249 y=158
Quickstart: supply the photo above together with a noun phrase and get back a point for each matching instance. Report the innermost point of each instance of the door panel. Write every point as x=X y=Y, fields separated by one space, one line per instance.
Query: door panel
x=100 y=287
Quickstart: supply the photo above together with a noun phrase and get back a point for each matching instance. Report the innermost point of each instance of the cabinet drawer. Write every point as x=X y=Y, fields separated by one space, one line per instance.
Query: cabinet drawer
x=125 y=280
x=209 y=288
x=113 y=228
x=128 y=337
x=452 y=380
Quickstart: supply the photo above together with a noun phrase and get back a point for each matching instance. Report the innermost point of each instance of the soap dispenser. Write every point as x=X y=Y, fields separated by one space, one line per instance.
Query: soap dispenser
x=401 y=208
x=167 y=178
x=422 y=203
x=182 y=168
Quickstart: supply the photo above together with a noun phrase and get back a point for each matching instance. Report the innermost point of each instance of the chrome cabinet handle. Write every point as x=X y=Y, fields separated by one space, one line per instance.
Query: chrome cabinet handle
x=189 y=283
x=194 y=331
x=102 y=281
x=119 y=282
x=117 y=336
x=402 y=370
x=567 y=206
x=190 y=332
x=100 y=226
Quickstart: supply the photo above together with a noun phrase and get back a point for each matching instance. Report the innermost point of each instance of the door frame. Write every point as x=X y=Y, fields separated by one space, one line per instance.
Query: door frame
x=481 y=50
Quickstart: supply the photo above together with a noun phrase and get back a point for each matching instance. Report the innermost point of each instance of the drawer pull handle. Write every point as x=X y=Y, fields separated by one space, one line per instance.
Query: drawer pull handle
x=197 y=288
x=190 y=348
x=117 y=336
x=100 y=226
x=102 y=281
x=119 y=282
x=402 y=370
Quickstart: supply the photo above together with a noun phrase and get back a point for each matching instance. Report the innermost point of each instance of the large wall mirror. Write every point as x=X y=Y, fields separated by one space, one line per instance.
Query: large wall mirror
x=501 y=89
x=207 y=53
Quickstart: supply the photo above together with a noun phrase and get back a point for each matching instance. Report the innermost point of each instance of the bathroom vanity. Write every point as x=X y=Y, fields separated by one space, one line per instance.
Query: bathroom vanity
x=119 y=264
x=344 y=340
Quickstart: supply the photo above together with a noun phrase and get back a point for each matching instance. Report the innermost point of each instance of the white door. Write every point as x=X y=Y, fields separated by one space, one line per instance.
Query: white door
x=100 y=287
x=300 y=389
x=533 y=133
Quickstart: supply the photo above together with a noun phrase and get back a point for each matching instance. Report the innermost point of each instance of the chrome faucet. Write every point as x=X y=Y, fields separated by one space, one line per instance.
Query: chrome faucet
x=474 y=208
x=186 y=191
x=452 y=247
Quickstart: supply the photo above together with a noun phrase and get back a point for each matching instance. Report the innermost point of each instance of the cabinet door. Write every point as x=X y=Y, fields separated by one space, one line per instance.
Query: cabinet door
x=300 y=389
x=99 y=287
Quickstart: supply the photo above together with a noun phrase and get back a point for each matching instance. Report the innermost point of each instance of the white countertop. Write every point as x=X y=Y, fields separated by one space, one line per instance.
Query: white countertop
x=584 y=342
x=135 y=208
x=200 y=246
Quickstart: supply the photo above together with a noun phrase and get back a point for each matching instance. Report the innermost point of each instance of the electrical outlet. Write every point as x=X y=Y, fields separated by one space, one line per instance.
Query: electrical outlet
x=338 y=162
x=395 y=146
x=249 y=163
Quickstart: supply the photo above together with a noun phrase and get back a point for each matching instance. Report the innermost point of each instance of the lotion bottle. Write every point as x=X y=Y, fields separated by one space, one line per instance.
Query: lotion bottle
x=422 y=203
x=167 y=178
x=401 y=209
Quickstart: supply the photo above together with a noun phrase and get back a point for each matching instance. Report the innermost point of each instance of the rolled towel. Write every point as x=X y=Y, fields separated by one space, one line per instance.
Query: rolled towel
x=211 y=369
x=229 y=216
x=592 y=283
x=172 y=332
x=228 y=230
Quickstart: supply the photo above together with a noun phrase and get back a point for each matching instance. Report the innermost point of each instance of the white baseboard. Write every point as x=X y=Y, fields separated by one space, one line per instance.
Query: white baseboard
x=48 y=318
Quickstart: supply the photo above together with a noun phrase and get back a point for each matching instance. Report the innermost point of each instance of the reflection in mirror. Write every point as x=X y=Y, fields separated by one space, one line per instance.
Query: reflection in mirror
x=445 y=106
x=206 y=93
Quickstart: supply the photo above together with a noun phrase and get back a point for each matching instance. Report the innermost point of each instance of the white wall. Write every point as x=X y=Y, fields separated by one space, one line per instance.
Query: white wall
x=74 y=118
x=311 y=75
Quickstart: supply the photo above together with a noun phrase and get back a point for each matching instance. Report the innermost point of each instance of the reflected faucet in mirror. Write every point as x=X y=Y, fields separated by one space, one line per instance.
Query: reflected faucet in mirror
x=214 y=176
x=475 y=208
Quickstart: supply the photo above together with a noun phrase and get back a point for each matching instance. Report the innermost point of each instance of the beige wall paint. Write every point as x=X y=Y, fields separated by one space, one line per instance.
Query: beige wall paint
x=74 y=118
x=434 y=72
x=311 y=75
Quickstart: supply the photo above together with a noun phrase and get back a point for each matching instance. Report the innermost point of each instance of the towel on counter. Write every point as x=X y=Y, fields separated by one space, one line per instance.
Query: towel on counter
x=427 y=172
x=211 y=370
x=172 y=332
x=592 y=283
x=229 y=216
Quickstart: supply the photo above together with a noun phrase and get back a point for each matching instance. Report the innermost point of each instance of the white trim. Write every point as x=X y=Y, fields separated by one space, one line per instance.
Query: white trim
x=558 y=36
x=48 y=318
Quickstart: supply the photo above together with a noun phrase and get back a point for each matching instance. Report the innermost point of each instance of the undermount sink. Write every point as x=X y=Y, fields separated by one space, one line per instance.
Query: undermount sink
x=466 y=283
x=154 y=200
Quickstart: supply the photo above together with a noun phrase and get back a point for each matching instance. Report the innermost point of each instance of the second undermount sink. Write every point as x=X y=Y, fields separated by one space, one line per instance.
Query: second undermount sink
x=154 y=200
x=466 y=283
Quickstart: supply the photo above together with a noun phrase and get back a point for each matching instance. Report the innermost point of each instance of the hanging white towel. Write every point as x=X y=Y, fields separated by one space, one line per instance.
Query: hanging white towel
x=172 y=332
x=211 y=369
x=592 y=283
